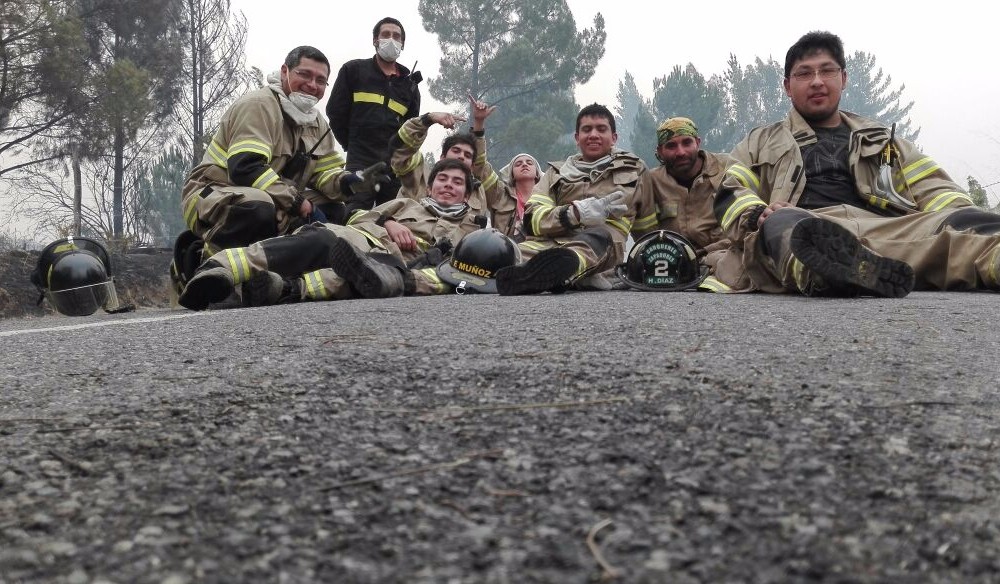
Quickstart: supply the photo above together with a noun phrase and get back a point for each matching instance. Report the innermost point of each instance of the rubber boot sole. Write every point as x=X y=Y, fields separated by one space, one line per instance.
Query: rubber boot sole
x=369 y=278
x=549 y=271
x=846 y=266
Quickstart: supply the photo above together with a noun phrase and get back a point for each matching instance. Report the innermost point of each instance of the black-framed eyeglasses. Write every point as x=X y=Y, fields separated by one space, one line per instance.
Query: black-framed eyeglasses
x=825 y=73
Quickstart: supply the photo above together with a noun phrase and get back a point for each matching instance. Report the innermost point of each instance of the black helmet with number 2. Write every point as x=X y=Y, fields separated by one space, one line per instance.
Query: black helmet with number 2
x=662 y=261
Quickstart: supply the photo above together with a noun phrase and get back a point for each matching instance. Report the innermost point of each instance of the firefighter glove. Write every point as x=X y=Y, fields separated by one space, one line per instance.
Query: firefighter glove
x=593 y=211
x=370 y=180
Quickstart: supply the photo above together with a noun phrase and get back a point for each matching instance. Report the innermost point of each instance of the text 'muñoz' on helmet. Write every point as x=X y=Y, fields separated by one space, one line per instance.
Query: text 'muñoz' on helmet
x=474 y=263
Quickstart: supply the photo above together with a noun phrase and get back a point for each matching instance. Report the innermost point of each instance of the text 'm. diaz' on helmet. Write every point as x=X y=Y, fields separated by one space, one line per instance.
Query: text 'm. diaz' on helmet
x=474 y=262
x=662 y=261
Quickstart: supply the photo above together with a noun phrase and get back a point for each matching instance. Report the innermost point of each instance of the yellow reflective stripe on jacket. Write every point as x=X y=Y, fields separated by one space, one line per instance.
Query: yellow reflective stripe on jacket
x=366 y=97
x=329 y=162
x=582 y=267
x=919 y=170
x=878 y=202
x=800 y=275
x=251 y=146
x=238 y=264
x=711 y=284
x=325 y=176
x=993 y=273
x=191 y=211
x=491 y=180
x=410 y=141
x=535 y=245
x=623 y=224
x=542 y=204
x=741 y=204
x=266 y=179
x=946 y=198
x=434 y=280
x=397 y=107
x=218 y=155
x=376 y=242
x=747 y=177
x=315 y=290
x=644 y=223
x=412 y=165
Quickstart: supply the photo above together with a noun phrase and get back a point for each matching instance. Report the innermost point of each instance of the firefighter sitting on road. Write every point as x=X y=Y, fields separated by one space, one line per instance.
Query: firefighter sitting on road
x=828 y=203
x=678 y=195
x=388 y=251
x=579 y=214
x=272 y=159
x=490 y=197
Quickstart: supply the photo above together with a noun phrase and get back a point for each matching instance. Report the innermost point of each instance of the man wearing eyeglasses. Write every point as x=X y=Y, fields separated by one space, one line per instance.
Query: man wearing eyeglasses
x=271 y=161
x=828 y=203
x=370 y=100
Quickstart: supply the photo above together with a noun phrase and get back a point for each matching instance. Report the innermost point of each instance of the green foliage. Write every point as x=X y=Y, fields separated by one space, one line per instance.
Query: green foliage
x=540 y=125
x=754 y=97
x=39 y=43
x=725 y=108
x=869 y=93
x=643 y=137
x=685 y=92
x=135 y=57
x=160 y=188
x=978 y=193
x=629 y=103
x=523 y=55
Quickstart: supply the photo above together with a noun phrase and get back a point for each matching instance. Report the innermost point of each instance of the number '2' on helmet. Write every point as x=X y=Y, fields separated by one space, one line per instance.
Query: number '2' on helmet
x=662 y=261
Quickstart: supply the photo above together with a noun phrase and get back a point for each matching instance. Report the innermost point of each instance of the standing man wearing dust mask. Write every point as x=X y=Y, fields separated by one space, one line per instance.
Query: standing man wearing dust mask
x=370 y=100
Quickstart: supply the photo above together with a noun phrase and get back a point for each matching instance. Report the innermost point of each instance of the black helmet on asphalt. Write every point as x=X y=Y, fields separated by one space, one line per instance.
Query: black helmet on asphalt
x=662 y=261
x=477 y=257
x=74 y=274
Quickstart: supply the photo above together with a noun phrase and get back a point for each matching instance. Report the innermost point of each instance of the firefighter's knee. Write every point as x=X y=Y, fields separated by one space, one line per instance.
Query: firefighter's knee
x=598 y=240
x=245 y=223
x=973 y=219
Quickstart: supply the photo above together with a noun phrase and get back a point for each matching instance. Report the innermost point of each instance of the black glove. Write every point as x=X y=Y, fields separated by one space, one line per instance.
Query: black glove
x=366 y=182
x=434 y=255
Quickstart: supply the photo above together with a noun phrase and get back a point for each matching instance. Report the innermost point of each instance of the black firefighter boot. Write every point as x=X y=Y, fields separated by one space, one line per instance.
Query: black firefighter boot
x=216 y=279
x=375 y=275
x=269 y=288
x=551 y=270
x=831 y=261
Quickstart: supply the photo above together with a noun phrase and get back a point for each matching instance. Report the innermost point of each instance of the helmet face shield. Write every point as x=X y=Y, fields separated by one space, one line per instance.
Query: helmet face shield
x=81 y=301
x=662 y=261
x=74 y=274
x=473 y=264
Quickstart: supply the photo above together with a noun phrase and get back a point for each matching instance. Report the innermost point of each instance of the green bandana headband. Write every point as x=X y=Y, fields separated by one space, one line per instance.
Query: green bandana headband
x=675 y=127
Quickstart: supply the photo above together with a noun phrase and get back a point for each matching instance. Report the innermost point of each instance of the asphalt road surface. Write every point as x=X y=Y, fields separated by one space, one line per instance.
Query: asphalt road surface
x=588 y=437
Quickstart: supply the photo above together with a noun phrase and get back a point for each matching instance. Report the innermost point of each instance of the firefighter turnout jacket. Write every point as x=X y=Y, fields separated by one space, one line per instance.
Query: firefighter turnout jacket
x=768 y=168
x=491 y=197
x=367 y=107
x=667 y=204
x=247 y=158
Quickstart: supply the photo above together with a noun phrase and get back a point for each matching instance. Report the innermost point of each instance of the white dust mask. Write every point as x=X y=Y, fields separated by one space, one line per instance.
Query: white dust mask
x=303 y=101
x=389 y=49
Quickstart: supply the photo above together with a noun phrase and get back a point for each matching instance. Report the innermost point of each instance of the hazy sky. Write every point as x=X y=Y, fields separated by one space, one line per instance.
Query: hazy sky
x=942 y=53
